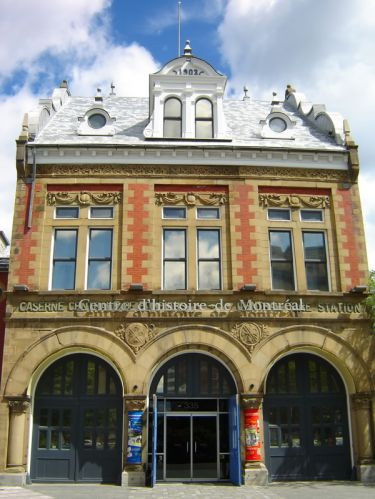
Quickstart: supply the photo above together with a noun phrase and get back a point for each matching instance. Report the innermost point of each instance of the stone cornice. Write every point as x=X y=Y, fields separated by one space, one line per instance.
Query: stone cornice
x=192 y=155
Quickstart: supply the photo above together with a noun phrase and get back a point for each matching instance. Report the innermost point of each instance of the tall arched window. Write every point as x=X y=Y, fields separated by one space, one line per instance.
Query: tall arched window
x=204 y=127
x=173 y=118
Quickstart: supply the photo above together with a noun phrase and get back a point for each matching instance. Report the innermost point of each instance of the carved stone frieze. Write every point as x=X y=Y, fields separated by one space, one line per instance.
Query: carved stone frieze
x=19 y=405
x=361 y=401
x=83 y=198
x=190 y=198
x=136 y=334
x=136 y=171
x=294 y=201
x=249 y=334
x=294 y=173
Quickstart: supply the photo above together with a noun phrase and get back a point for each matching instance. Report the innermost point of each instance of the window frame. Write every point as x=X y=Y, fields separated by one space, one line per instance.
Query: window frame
x=292 y=260
x=311 y=221
x=204 y=119
x=312 y=261
x=185 y=259
x=279 y=219
x=177 y=208
x=172 y=118
x=200 y=259
x=96 y=259
x=54 y=260
x=206 y=208
x=66 y=208
x=102 y=218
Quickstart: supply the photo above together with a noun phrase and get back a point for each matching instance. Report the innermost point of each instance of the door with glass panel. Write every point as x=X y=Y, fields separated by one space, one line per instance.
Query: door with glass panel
x=191 y=447
x=189 y=429
x=77 y=422
x=306 y=422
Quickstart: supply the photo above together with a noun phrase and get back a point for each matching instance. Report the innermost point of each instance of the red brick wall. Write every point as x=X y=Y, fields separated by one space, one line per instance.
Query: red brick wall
x=245 y=229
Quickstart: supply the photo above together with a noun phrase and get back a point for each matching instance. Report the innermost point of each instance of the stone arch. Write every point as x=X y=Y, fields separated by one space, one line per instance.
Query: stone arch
x=68 y=339
x=202 y=339
x=313 y=339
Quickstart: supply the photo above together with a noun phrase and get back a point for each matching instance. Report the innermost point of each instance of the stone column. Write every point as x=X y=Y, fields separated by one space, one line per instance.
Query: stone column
x=18 y=407
x=134 y=474
x=255 y=472
x=361 y=404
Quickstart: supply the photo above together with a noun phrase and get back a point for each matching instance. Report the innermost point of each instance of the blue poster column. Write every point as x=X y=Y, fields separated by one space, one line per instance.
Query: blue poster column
x=135 y=464
x=255 y=471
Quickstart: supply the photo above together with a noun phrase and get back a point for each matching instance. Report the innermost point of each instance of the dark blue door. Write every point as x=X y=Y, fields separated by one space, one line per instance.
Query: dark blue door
x=235 y=473
x=305 y=421
x=77 y=433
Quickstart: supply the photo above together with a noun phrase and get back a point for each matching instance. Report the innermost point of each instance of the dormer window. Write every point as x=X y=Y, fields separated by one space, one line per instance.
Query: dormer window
x=203 y=119
x=97 y=120
x=173 y=118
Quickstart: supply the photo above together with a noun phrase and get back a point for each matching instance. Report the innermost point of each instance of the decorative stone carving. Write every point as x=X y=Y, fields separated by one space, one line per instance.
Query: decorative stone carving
x=294 y=201
x=83 y=198
x=136 y=334
x=251 y=401
x=19 y=405
x=249 y=334
x=361 y=401
x=135 y=404
x=190 y=198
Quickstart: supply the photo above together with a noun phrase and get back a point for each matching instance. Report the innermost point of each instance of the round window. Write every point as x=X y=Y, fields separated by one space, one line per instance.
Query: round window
x=97 y=120
x=277 y=125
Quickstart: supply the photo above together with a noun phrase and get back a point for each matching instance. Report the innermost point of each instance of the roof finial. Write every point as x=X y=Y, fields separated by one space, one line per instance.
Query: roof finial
x=289 y=90
x=245 y=89
x=112 y=89
x=98 y=96
x=187 y=49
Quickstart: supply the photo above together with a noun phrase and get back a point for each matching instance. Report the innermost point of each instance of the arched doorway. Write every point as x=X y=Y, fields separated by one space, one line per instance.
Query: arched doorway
x=306 y=421
x=77 y=424
x=194 y=414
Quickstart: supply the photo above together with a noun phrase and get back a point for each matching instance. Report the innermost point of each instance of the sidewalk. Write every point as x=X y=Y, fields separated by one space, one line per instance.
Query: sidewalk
x=290 y=490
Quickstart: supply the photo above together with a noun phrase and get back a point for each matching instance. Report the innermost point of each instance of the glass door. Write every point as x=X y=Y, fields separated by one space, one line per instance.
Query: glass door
x=178 y=447
x=204 y=446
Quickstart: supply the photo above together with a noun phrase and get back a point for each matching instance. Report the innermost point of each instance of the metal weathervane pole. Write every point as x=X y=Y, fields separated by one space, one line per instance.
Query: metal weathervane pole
x=179 y=29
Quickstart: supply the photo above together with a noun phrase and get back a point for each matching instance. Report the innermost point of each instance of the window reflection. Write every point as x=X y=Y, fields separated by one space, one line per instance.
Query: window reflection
x=174 y=259
x=173 y=118
x=281 y=260
x=100 y=259
x=209 y=259
x=64 y=259
x=203 y=119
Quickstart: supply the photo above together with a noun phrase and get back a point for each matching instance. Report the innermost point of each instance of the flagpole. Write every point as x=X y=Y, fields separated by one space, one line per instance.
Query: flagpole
x=179 y=29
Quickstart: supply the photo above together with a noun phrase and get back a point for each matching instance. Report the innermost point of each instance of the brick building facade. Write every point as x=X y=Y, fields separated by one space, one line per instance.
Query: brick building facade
x=185 y=297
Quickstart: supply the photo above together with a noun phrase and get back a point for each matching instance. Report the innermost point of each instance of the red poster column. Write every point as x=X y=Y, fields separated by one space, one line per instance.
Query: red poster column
x=252 y=435
x=255 y=472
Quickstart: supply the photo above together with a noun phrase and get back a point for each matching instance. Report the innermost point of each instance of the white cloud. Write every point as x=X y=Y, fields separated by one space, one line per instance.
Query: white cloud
x=60 y=39
x=128 y=67
x=30 y=28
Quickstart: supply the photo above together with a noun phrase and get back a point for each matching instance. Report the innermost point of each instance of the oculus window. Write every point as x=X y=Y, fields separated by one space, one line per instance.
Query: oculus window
x=97 y=120
x=173 y=118
x=204 y=128
x=277 y=125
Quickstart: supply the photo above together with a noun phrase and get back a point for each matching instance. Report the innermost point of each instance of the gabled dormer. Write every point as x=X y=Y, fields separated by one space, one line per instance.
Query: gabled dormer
x=186 y=101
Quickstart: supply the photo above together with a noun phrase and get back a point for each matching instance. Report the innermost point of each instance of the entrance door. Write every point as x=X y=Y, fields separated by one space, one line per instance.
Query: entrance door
x=77 y=422
x=191 y=447
x=306 y=424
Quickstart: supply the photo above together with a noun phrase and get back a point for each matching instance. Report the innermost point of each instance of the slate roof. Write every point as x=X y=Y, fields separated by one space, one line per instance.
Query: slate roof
x=242 y=117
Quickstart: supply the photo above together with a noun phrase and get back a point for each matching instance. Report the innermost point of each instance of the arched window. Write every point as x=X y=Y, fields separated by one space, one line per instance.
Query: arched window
x=173 y=118
x=204 y=128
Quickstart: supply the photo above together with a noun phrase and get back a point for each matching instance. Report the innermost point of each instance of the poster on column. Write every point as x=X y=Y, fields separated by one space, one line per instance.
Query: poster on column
x=134 y=454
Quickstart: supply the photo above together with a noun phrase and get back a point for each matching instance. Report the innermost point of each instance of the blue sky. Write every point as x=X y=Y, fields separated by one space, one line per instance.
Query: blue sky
x=323 y=47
